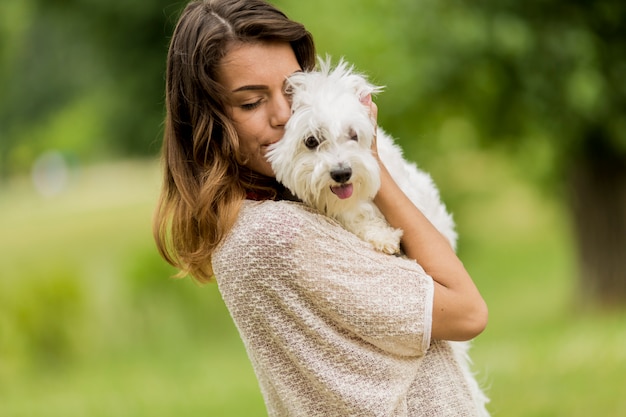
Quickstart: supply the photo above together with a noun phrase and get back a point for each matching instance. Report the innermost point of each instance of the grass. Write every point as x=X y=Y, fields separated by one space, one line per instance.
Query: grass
x=188 y=380
x=90 y=323
x=541 y=355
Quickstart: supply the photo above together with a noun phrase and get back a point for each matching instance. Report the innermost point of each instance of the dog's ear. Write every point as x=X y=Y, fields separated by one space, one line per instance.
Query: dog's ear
x=295 y=82
x=358 y=82
x=363 y=88
x=365 y=91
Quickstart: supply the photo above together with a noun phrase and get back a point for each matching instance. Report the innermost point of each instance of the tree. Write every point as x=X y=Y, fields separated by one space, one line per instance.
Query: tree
x=549 y=71
x=62 y=53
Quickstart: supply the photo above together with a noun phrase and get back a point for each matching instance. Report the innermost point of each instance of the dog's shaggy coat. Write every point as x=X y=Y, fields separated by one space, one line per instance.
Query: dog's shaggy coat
x=325 y=157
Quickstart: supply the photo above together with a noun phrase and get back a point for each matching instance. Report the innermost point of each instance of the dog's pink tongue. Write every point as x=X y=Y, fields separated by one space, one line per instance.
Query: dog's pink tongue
x=342 y=191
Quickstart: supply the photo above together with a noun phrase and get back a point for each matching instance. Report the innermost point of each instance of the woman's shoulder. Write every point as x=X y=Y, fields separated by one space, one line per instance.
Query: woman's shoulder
x=280 y=216
x=294 y=229
x=269 y=209
x=284 y=232
x=272 y=234
x=284 y=226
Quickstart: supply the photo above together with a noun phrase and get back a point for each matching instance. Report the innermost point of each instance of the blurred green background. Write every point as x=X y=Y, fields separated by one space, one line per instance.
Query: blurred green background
x=517 y=110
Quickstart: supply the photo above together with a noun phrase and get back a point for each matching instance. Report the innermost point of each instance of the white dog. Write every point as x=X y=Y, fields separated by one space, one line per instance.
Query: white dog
x=325 y=157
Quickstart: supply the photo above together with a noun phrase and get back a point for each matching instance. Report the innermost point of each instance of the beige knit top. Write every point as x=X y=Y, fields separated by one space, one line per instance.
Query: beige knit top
x=331 y=326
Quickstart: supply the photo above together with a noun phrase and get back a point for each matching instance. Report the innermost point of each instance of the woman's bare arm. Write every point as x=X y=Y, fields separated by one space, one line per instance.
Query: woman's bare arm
x=459 y=311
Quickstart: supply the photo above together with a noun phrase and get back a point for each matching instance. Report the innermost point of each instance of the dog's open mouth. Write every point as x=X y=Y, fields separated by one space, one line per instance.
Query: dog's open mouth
x=342 y=191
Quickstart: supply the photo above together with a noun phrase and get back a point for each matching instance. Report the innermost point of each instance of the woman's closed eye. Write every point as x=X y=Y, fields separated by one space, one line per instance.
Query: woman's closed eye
x=251 y=106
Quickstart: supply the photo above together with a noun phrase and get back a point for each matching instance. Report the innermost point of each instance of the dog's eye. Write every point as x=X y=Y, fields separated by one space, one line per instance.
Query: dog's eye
x=311 y=142
x=354 y=136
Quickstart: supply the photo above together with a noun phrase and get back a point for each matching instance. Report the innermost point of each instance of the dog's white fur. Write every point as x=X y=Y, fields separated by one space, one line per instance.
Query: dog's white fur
x=326 y=108
x=329 y=117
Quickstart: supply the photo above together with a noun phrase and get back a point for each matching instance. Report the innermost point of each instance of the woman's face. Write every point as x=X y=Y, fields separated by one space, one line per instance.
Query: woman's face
x=254 y=75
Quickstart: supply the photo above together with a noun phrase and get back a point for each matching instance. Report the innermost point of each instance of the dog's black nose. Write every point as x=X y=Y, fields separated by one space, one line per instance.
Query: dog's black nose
x=341 y=175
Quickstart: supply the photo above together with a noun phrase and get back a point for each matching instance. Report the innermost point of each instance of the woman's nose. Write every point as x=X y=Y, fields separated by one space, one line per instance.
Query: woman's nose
x=281 y=111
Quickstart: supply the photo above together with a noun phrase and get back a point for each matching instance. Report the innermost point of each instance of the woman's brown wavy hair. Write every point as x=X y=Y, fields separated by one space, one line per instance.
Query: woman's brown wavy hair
x=205 y=181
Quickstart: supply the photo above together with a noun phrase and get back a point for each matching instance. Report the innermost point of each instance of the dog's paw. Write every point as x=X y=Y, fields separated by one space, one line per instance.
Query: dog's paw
x=387 y=242
x=390 y=248
x=370 y=225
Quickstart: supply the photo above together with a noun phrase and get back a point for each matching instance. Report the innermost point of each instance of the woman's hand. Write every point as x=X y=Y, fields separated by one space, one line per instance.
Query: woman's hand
x=373 y=111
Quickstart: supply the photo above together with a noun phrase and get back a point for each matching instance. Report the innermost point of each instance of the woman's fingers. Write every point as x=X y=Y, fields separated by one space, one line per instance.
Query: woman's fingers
x=373 y=111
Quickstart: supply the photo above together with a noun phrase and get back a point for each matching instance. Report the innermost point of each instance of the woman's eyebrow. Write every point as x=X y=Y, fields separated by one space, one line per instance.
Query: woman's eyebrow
x=257 y=87
x=250 y=88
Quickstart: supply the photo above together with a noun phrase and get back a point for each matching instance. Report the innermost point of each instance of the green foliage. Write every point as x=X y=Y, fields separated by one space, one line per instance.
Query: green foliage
x=520 y=71
x=522 y=74
x=58 y=55
x=534 y=77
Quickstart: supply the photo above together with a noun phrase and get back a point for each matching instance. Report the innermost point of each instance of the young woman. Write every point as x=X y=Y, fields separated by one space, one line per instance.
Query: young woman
x=331 y=326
